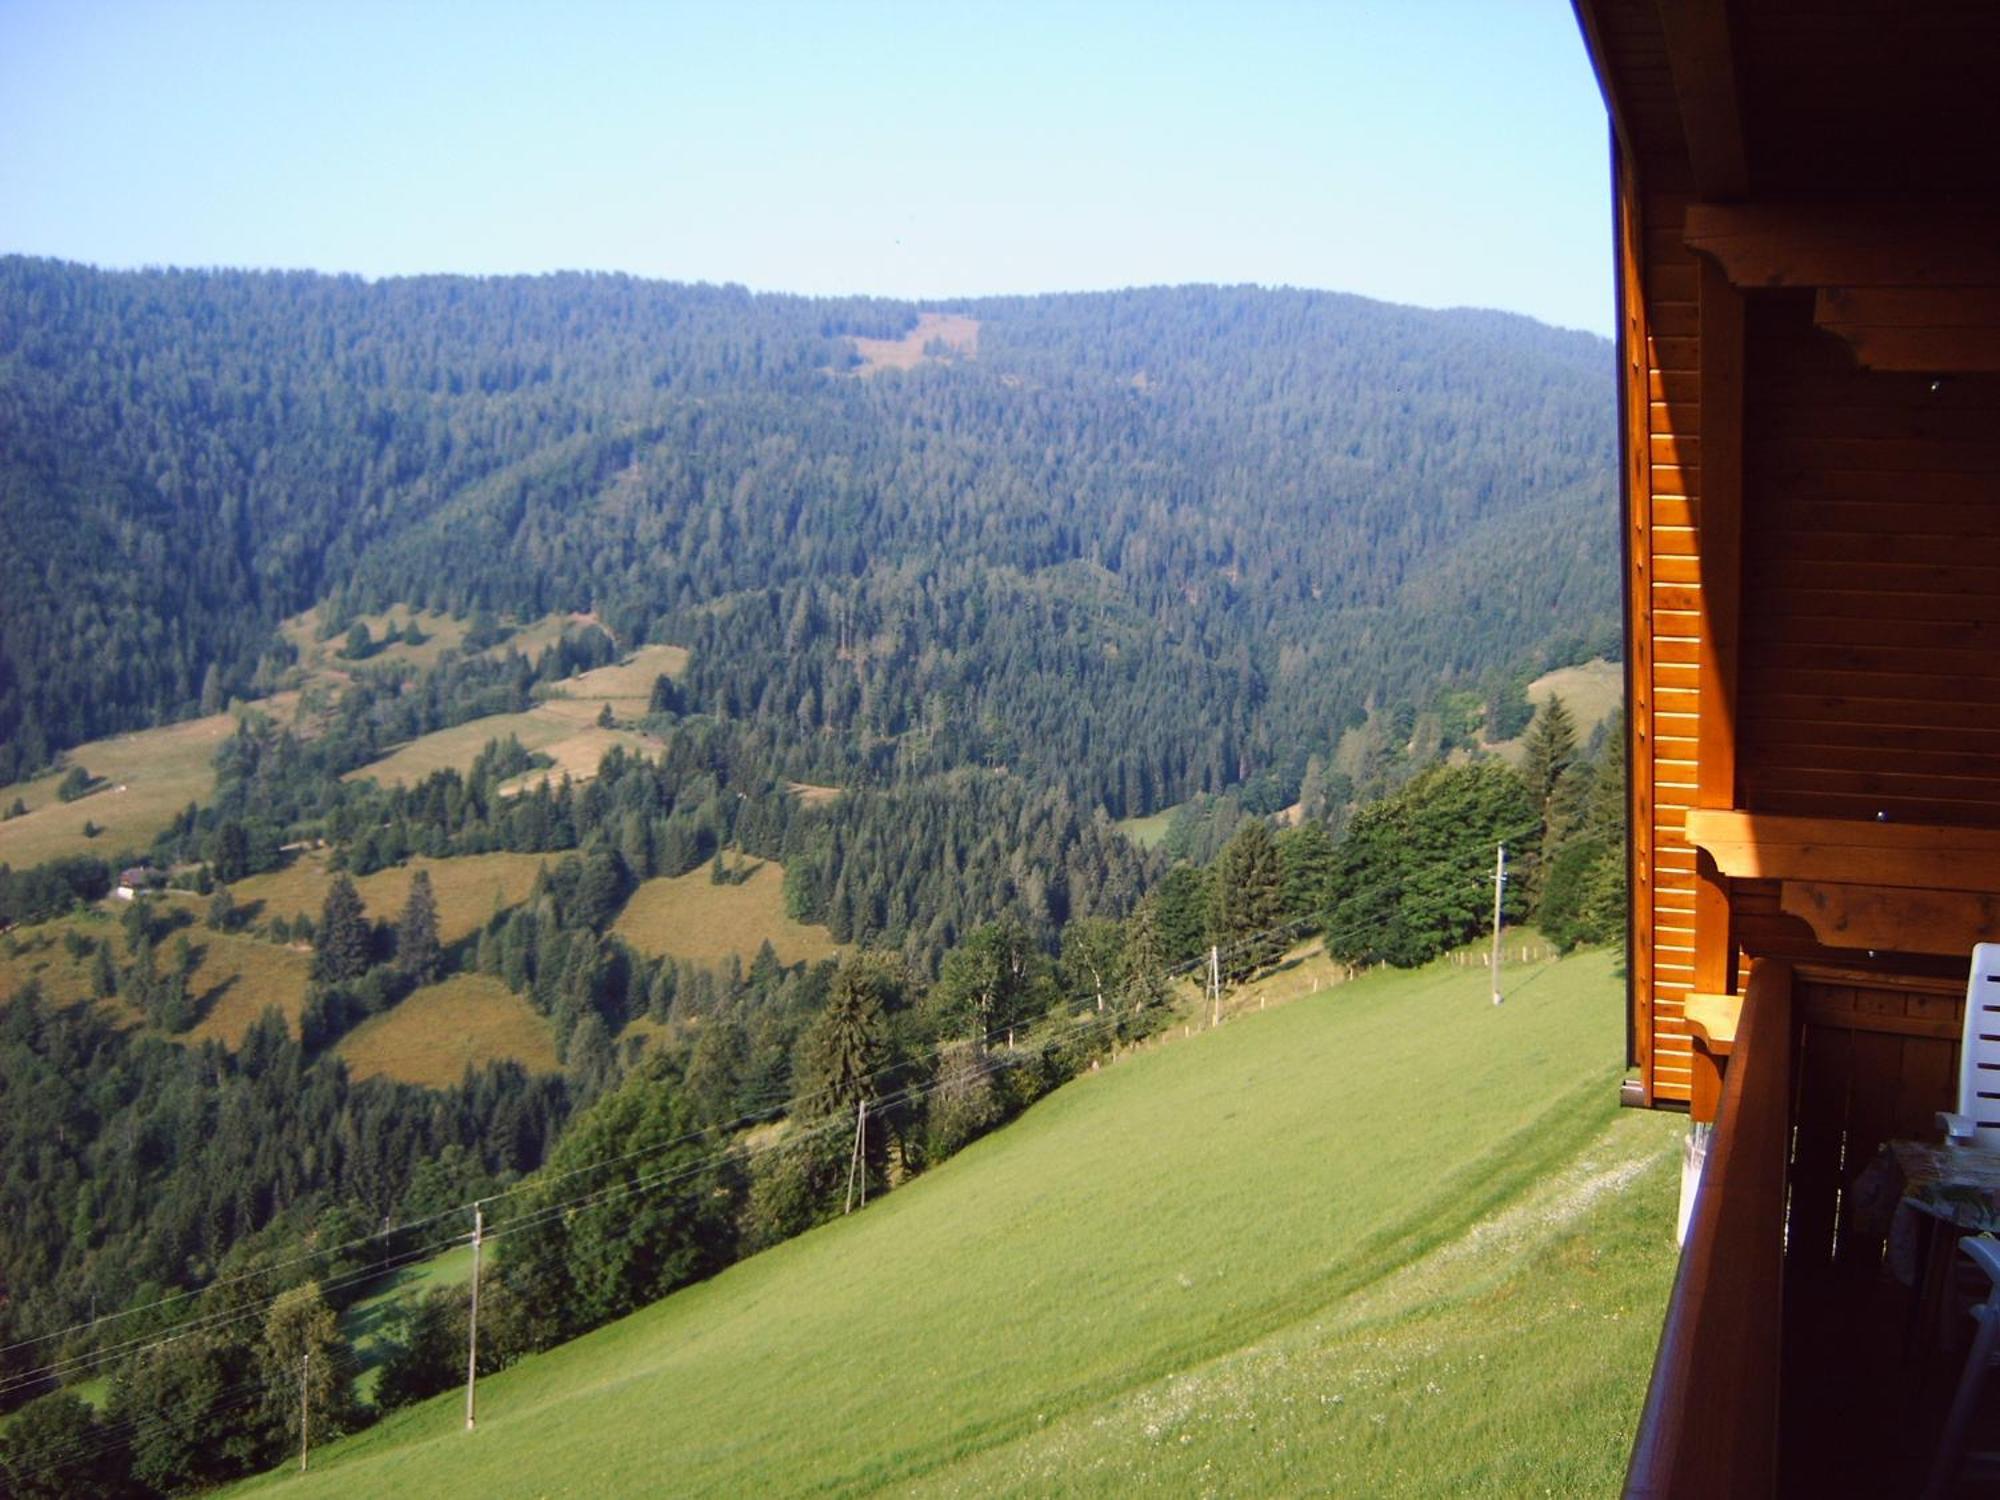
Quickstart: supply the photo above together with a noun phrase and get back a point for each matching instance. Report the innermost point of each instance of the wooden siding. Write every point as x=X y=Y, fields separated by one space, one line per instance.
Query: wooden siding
x=1669 y=630
x=1870 y=675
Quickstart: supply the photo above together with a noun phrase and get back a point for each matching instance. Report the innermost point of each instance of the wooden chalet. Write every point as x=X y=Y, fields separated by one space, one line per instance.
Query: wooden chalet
x=1807 y=242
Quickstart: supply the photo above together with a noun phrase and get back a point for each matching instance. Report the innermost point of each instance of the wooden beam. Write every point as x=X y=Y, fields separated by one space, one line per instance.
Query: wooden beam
x=1893 y=919
x=1713 y=1019
x=1946 y=330
x=1850 y=243
x=1702 y=57
x=1710 y=1423
x=1915 y=856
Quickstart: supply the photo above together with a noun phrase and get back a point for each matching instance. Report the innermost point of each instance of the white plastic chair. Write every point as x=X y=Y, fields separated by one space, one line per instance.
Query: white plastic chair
x=1976 y=1122
x=1985 y=1252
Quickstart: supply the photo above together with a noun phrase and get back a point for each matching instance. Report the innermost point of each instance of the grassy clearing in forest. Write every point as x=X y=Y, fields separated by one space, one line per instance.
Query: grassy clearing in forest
x=438 y=1031
x=469 y=888
x=1147 y=832
x=956 y=331
x=146 y=779
x=1390 y=1239
x=236 y=977
x=691 y=917
x=1591 y=692
x=563 y=726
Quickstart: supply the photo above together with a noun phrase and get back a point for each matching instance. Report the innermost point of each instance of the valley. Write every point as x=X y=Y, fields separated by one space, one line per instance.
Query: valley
x=572 y=735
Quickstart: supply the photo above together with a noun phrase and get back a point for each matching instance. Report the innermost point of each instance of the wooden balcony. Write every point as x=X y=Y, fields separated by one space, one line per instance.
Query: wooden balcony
x=1790 y=1362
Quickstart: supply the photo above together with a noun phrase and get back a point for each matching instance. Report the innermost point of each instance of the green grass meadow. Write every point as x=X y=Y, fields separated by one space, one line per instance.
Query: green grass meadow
x=1384 y=1239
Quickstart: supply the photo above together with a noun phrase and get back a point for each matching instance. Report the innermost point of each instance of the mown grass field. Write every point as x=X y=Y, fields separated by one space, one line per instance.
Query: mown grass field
x=236 y=979
x=440 y=1030
x=441 y=633
x=627 y=681
x=955 y=330
x=1386 y=1240
x=469 y=888
x=1148 y=831
x=147 y=777
x=1591 y=692
x=692 y=918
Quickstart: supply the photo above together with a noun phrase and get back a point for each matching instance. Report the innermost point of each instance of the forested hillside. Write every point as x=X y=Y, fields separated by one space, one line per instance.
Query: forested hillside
x=624 y=715
x=1142 y=544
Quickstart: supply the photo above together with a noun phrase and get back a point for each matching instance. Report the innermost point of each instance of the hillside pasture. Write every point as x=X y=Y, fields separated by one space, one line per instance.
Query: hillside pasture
x=690 y=917
x=39 y=955
x=239 y=978
x=145 y=780
x=439 y=1031
x=563 y=726
x=1591 y=692
x=441 y=633
x=626 y=680
x=956 y=331
x=469 y=888
x=1151 y=830
x=458 y=747
x=1255 y=1262
x=235 y=979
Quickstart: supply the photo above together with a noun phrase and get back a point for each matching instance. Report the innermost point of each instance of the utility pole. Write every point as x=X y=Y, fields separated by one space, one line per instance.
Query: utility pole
x=472 y=1325
x=862 y=1157
x=1499 y=884
x=1214 y=984
x=305 y=1376
x=854 y=1156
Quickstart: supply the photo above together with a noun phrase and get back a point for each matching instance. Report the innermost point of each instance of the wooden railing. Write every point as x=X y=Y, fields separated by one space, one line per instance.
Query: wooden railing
x=1710 y=1425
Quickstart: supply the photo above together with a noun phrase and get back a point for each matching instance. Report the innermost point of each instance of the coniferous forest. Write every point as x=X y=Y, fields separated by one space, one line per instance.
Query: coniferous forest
x=1223 y=553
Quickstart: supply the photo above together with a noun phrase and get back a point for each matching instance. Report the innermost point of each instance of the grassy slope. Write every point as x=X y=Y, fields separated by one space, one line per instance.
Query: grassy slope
x=469 y=888
x=439 y=1031
x=693 y=918
x=563 y=726
x=149 y=777
x=1149 y=831
x=236 y=978
x=369 y=1323
x=1389 y=1239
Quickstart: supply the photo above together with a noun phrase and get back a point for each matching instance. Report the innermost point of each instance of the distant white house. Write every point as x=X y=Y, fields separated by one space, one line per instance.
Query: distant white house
x=136 y=879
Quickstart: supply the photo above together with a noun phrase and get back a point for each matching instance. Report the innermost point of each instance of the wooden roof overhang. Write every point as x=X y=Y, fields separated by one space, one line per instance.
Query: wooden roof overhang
x=1808 y=254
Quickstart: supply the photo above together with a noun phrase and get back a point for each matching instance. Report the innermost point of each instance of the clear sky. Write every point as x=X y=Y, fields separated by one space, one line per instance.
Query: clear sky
x=1415 y=150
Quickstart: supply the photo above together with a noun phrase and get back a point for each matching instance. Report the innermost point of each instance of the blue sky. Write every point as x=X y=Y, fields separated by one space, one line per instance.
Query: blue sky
x=1414 y=150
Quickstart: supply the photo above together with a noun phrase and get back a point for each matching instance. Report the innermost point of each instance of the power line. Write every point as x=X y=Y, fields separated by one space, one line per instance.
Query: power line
x=546 y=1212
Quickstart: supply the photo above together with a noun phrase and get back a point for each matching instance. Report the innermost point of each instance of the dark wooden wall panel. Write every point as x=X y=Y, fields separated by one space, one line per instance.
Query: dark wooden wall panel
x=1871 y=605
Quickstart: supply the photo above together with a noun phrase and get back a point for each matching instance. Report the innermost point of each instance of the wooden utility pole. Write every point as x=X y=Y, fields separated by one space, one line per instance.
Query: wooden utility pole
x=1214 y=984
x=472 y=1324
x=305 y=1377
x=854 y=1156
x=1499 y=884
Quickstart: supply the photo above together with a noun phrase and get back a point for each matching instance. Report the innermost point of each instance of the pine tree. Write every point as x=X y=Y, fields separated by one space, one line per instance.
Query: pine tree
x=418 y=953
x=345 y=945
x=1550 y=750
x=1145 y=960
x=1247 y=902
x=845 y=1045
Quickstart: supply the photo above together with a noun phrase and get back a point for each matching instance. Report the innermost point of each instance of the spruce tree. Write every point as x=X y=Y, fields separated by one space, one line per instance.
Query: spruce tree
x=418 y=953
x=344 y=944
x=1247 y=902
x=1550 y=750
